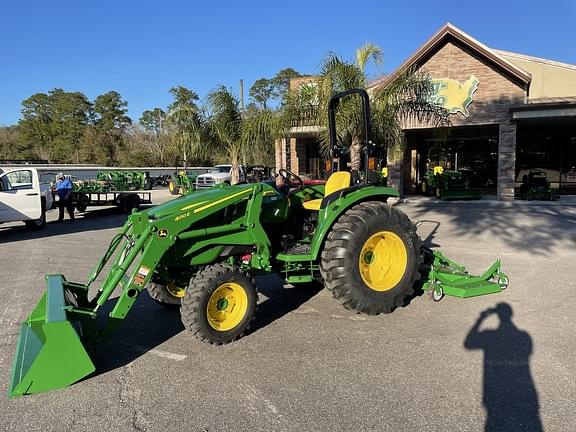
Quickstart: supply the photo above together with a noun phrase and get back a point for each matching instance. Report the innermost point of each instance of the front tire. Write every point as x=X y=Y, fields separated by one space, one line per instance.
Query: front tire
x=371 y=258
x=219 y=304
x=424 y=188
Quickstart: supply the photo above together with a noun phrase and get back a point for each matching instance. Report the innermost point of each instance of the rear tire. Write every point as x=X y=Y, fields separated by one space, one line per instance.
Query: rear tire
x=371 y=258
x=219 y=304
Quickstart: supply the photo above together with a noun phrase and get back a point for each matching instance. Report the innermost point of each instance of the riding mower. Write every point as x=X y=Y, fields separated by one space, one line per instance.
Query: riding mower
x=201 y=252
x=535 y=186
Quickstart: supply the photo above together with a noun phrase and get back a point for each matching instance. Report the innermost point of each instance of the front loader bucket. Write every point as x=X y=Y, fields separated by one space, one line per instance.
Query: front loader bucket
x=49 y=353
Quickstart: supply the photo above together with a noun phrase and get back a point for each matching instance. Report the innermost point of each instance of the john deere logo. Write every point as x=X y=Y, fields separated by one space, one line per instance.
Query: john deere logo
x=162 y=233
x=454 y=96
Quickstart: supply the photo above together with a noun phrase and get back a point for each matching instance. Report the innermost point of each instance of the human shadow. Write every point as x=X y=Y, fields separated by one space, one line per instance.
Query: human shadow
x=509 y=394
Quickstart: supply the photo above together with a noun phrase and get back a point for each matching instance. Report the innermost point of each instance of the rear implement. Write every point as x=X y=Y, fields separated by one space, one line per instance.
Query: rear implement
x=446 y=277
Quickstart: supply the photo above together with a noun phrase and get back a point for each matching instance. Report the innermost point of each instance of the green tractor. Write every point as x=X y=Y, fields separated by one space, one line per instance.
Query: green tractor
x=445 y=183
x=201 y=252
x=182 y=183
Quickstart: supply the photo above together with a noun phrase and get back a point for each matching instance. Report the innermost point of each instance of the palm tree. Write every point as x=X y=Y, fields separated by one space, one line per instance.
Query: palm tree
x=260 y=129
x=235 y=131
x=187 y=127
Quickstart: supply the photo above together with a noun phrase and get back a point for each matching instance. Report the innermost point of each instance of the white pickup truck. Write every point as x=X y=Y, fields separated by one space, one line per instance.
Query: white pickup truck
x=217 y=175
x=24 y=197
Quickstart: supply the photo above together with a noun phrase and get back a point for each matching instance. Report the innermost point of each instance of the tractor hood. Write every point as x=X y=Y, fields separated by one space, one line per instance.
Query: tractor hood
x=197 y=200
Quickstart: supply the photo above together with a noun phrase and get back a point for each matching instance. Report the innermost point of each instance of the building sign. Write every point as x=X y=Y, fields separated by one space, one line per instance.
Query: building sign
x=454 y=96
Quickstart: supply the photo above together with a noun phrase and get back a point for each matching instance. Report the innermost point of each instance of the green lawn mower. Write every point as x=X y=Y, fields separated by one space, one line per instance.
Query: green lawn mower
x=535 y=186
x=201 y=252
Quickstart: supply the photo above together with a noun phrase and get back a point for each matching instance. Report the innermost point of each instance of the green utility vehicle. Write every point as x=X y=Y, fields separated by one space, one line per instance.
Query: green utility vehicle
x=442 y=181
x=535 y=186
x=201 y=251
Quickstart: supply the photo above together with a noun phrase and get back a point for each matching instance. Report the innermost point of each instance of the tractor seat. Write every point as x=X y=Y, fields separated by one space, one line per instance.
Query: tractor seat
x=337 y=181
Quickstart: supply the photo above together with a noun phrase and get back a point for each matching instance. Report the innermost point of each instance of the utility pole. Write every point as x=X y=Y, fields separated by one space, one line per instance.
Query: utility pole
x=242 y=94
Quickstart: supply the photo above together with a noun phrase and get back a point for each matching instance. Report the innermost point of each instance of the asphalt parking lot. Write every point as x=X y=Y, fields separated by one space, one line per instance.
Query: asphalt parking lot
x=310 y=365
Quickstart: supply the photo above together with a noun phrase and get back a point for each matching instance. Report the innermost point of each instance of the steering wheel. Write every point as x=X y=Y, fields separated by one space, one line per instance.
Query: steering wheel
x=291 y=179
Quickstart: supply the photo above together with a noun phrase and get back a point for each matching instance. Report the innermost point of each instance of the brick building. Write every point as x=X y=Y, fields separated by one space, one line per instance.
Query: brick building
x=509 y=113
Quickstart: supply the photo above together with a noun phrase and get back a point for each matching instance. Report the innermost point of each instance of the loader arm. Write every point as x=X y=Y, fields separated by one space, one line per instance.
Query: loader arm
x=143 y=251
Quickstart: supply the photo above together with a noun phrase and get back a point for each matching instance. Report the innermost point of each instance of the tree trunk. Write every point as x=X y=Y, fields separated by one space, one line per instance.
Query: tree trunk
x=235 y=172
x=355 y=154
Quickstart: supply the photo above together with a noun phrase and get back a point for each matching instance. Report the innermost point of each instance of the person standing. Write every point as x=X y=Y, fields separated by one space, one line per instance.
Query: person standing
x=64 y=190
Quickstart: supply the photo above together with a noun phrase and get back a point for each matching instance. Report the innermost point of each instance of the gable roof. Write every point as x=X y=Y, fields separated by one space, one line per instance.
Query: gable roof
x=452 y=33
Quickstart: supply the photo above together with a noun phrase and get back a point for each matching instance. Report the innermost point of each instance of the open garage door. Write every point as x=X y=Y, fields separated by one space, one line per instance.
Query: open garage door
x=548 y=146
x=471 y=150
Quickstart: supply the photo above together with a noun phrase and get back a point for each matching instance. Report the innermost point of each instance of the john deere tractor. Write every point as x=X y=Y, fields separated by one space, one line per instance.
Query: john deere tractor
x=201 y=252
x=444 y=182
x=182 y=183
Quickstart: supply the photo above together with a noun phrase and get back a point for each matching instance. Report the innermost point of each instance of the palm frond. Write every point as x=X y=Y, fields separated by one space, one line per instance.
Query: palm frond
x=366 y=52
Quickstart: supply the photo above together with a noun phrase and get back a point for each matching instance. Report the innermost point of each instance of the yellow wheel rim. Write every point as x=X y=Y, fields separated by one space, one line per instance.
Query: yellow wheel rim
x=383 y=261
x=175 y=291
x=227 y=306
x=171 y=186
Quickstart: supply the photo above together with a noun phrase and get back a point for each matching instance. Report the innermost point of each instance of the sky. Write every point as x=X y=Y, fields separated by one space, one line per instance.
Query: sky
x=143 y=48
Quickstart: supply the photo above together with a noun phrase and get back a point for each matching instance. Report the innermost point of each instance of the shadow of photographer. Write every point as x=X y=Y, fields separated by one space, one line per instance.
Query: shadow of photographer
x=509 y=394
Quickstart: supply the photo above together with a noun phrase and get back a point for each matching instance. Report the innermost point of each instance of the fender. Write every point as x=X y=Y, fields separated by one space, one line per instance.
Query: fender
x=335 y=205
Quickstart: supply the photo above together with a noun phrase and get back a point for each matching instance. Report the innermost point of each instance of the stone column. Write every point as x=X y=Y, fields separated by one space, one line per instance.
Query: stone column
x=295 y=156
x=395 y=159
x=506 y=161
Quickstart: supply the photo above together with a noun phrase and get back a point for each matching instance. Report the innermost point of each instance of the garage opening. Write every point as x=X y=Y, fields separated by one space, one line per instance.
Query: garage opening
x=473 y=150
